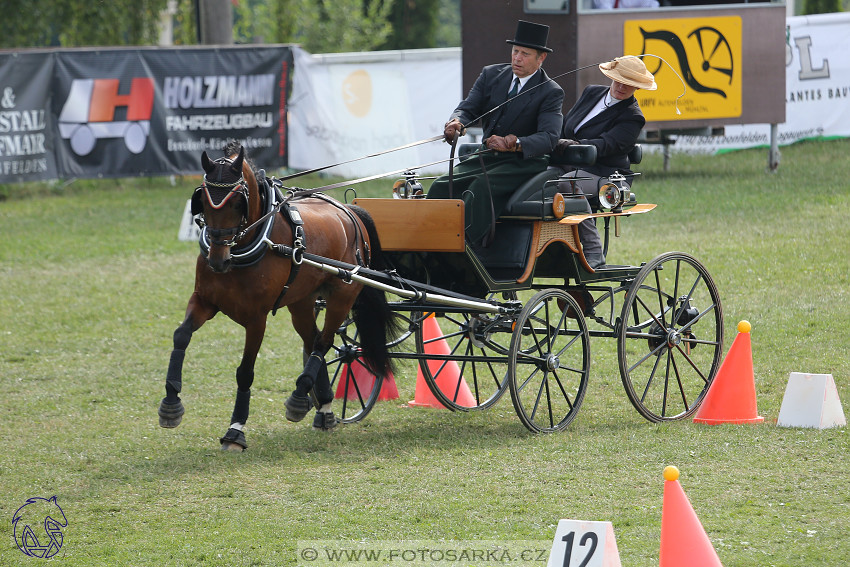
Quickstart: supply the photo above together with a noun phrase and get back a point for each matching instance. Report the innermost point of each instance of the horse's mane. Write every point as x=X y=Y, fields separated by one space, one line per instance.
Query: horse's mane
x=231 y=149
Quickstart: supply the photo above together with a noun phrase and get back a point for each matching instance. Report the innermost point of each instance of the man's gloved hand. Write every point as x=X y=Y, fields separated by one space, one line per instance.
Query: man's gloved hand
x=562 y=145
x=509 y=143
x=452 y=127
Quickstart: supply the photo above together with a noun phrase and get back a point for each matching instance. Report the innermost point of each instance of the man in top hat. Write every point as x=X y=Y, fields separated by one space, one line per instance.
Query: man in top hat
x=609 y=118
x=519 y=109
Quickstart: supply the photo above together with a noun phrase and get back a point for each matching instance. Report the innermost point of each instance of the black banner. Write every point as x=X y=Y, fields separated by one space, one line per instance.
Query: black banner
x=139 y=112
x=26 y=127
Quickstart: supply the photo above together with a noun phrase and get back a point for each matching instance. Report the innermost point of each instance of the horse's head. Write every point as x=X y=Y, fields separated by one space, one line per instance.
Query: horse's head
x=223 y=200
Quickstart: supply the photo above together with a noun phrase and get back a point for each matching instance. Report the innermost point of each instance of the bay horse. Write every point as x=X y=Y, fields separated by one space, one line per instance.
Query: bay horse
x=242 y=273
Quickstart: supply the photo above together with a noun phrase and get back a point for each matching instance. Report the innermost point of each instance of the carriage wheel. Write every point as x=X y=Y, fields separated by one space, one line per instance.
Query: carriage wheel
x=670 y=338
x=549 y=361
x=463 y=357
x=355 y=386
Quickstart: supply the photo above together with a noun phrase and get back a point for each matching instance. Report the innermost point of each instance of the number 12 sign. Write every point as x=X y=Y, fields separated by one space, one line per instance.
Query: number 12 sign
x=584 y=544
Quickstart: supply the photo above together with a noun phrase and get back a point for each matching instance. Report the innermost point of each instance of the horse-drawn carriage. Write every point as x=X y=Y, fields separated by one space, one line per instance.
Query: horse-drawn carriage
x=517 y=315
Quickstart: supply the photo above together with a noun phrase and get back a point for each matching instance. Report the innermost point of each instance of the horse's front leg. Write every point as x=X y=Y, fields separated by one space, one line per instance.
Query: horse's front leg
x=234 y=438
x=171 y=409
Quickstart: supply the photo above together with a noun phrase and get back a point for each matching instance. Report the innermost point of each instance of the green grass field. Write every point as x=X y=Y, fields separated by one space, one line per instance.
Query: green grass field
x=93 y=282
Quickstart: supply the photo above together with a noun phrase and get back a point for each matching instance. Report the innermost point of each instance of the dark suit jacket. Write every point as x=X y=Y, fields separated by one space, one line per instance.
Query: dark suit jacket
x=534 y=116
x=614 y=131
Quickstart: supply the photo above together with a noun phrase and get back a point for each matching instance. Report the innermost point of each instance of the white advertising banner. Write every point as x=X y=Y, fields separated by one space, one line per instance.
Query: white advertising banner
x=350 y=105
x=817 y=89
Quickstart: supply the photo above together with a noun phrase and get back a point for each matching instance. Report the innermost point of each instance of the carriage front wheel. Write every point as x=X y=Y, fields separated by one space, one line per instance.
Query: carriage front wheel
x=549 y=361
x=670 y=337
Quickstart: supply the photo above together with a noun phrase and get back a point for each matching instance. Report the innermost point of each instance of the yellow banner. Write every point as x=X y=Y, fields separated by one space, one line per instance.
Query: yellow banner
x=704 y=52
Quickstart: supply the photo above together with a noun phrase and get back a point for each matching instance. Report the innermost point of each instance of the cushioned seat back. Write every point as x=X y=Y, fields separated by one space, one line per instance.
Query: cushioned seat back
x=534 y=198
x=535 y=189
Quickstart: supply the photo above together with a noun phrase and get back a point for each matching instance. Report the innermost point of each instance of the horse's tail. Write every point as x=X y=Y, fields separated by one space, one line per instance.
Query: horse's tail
x=372 y=314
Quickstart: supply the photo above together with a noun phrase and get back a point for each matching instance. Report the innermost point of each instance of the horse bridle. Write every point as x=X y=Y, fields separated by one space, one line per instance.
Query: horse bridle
x=218 y=236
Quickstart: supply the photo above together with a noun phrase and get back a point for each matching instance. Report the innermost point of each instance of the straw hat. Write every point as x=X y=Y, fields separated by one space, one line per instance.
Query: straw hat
x=629 y=70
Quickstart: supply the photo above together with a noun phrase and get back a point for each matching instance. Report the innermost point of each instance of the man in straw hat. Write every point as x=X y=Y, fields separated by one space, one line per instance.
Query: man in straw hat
x=609 y=118
x=519 y=109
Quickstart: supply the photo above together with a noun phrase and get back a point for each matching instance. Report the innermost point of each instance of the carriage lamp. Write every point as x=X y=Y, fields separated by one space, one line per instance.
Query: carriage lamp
x=407 y=187
x=616 y=193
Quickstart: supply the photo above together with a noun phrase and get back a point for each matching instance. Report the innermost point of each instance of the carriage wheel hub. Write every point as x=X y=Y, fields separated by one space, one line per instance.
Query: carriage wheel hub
x=348 y=353
x=552 y=362
x=674 y=338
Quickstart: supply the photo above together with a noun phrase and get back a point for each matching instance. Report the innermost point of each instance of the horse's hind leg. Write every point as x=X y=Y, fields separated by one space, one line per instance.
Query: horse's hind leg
x=324 y=418
x=314 y=377
x=234 y=438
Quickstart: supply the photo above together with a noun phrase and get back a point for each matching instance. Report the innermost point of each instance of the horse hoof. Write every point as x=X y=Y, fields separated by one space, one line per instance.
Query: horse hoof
x=297 y=407
x=324 y=421
x=233 y=440
x=170 y=415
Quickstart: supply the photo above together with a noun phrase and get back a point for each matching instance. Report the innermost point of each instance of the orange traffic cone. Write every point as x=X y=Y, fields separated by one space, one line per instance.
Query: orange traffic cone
x=683 y=539
x=447 y=372
x=358 y=374
x=732 y=396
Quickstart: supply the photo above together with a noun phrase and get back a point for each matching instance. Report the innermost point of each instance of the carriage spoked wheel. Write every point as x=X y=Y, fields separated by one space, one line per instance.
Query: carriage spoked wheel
x=463 y=357
x=356 y=387
x=670 y=337
x=549 y=361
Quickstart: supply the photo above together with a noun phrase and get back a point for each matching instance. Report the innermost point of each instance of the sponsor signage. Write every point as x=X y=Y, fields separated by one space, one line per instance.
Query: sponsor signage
x=120 y=113
x=703 y=60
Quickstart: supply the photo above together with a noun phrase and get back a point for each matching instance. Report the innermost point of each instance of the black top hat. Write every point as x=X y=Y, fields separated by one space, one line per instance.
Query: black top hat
x=529 y=34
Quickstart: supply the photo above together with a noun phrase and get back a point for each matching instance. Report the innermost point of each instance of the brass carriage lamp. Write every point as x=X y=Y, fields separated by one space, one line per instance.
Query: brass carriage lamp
x=616 y=193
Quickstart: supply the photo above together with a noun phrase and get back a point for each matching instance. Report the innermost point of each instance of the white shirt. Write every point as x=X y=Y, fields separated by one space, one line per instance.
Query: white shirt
x=522 y=81
x=604 y=102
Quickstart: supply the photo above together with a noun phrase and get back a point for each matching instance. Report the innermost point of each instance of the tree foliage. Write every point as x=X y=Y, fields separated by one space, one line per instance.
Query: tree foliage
x=320 y=26
x=821 y=6
x=414 y=24
x=75 y=23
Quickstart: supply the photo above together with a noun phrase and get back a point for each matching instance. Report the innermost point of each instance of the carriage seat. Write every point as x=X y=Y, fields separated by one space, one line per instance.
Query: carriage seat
x=534 y=198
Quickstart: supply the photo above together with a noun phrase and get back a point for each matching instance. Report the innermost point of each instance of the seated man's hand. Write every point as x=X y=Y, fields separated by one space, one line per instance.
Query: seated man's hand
x=503 y=144
x=453 y=127
x=562 y=145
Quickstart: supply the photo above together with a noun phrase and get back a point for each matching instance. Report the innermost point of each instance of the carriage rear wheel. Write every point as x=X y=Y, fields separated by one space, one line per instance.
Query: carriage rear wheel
x=463 y=357
x=670 y=337
x=549 y=361
x=356 y=387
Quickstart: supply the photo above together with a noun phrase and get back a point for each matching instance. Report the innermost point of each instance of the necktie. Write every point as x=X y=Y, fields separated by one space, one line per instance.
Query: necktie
x=514 y=89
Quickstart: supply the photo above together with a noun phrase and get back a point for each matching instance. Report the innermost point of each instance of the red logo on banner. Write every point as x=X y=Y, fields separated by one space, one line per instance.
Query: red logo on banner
x=89 y=113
